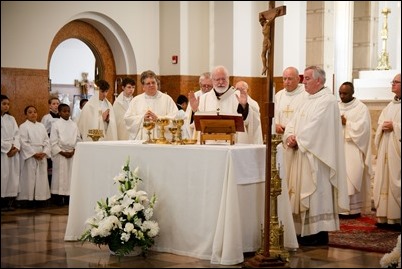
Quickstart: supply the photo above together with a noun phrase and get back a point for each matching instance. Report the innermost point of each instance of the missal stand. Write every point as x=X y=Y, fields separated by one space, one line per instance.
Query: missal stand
x=218 y=127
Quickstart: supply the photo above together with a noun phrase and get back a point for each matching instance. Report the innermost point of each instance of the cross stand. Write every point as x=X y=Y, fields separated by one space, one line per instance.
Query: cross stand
x=267 y=20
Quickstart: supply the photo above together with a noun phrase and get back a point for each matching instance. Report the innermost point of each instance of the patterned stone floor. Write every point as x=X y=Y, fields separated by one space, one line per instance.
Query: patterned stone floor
x=34 y=238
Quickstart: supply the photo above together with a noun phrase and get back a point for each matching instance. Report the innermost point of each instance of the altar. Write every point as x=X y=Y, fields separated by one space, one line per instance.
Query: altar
x=210 y=197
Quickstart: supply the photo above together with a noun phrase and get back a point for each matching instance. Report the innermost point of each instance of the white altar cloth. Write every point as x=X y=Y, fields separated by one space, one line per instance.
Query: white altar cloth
x=210 y=197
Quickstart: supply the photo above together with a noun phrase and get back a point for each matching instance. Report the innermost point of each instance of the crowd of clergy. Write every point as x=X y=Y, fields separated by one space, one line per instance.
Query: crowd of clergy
x=325 y=156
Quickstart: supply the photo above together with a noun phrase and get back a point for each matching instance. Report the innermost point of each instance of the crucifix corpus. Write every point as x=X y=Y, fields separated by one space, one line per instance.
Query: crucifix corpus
x=263 y=258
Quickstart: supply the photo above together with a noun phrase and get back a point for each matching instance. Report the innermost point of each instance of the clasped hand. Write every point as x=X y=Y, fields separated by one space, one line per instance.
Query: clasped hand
x=150 y=116
x=387 y=126
x=105 y=115
x=291 y=142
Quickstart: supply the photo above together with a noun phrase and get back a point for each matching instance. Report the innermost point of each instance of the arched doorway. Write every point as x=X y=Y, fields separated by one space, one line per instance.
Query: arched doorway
x=88 y=34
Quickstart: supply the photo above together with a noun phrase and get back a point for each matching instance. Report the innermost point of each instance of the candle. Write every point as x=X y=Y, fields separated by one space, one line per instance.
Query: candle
x=115 y=87
x=100 y=119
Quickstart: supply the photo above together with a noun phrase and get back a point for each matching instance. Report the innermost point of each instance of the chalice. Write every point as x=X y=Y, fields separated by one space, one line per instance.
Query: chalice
x=173 y=130
x=178 y=123
x=149 y=125
x=162 y=122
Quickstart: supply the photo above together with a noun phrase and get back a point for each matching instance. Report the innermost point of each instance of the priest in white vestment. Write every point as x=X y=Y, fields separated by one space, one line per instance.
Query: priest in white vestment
x=316 y=172
x=98 y=113
x=120 y=107
x=254 y=136
x=356 y=125
x=387 y=178
x=225 y=99
x=285 y=214
x=63 y=140
x=205 y=83
x=35 y=149
x=287 y=101
x=10 y=157
x=149 y=106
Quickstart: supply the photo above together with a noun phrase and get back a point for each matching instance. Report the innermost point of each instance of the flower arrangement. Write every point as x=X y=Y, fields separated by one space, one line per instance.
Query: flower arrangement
x=123 y=221
x=392 y=259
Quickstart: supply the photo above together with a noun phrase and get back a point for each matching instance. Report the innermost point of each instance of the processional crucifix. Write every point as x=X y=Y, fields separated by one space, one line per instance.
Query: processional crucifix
x=267 y=21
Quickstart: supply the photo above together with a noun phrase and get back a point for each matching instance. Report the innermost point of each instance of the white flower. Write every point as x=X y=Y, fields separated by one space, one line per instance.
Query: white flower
x=129 y=212
x=123 y=221
x=392 y=259
x=149 y=212
x=116 y=210
x=129 y=227
x=152 y=226
x=120 y=178
x=125 y=237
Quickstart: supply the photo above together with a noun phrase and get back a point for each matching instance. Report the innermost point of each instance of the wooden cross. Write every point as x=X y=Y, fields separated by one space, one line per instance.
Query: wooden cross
x=267 y=21
x=287 y=111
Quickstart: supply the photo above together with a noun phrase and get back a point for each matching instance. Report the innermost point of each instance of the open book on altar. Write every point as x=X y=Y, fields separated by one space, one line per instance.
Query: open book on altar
x=212 y=122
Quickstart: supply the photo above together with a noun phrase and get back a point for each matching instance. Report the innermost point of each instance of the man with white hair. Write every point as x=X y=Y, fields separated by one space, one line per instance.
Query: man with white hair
x=255 y=136
x=225 y=99
x=316 y=171
x=205 y=83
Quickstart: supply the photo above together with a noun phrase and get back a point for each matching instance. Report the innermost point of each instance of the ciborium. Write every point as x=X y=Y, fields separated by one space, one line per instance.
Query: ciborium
x=149 y=125
x=162 y=123
x=95 y=134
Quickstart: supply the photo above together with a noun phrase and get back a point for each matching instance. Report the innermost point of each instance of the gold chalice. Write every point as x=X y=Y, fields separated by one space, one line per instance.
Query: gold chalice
x=149 y=125
x=95 y=134
x=178 y=123
x=162 y=122
x=173 y=131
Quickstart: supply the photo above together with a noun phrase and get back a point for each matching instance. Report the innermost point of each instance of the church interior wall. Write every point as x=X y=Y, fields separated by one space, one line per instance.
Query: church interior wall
x=361 y=39
x=315 y=33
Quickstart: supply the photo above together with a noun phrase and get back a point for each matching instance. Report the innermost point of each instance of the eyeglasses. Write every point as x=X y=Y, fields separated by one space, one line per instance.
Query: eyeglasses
x=395 y=82
x=206 y=86
x=152 y=83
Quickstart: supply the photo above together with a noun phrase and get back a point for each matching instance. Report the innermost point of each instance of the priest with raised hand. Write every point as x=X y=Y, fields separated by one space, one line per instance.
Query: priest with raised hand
x=224 y=99
x=254 y=136
x=98 y=114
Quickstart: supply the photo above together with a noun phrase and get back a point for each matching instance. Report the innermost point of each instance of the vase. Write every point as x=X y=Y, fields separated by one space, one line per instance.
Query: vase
x=136 y=251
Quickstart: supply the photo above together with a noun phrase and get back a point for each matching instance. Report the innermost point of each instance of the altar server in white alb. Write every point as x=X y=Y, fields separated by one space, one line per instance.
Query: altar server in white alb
x=120 y=107
x=225 y=99
x=316 y=172
x=10 y=157
x=148 y=106
x=387 y=178
x=35 y=149
x=98 y=113
x=63 y=140
x=356 y=126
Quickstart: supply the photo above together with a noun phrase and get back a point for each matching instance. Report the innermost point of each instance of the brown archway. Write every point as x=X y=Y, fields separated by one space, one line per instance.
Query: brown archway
x=96 y=42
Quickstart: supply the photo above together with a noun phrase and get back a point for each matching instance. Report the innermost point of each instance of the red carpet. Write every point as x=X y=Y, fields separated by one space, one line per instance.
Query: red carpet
x=362 y=234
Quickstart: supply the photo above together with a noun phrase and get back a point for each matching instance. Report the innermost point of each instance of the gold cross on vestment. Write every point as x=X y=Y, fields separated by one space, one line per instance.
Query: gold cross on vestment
x=287 y=111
